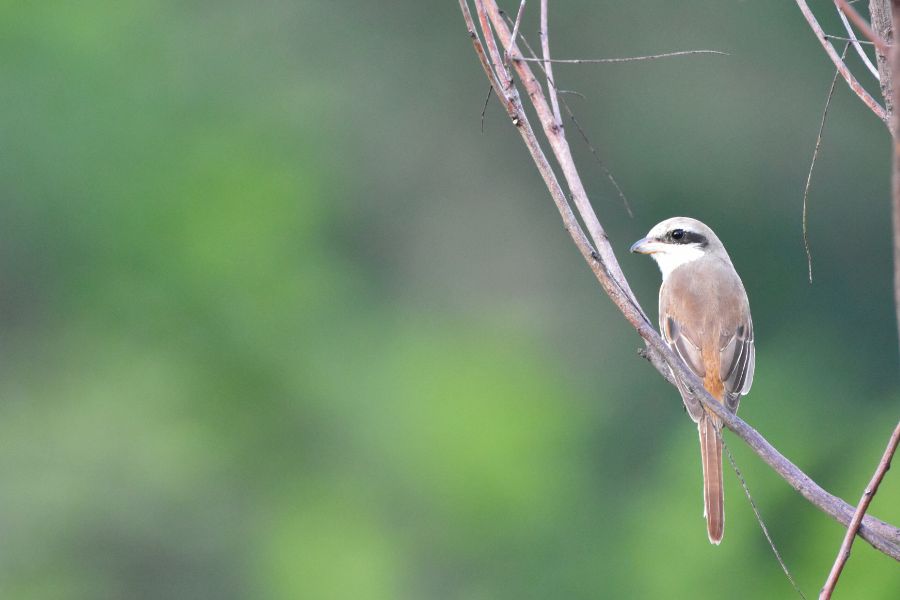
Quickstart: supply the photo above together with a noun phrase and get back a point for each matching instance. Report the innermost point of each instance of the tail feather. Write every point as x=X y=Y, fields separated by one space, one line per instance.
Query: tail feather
x=713 y=490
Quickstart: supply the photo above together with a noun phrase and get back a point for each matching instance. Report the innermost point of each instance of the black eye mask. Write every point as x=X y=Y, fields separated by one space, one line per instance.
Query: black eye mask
x=682 y=236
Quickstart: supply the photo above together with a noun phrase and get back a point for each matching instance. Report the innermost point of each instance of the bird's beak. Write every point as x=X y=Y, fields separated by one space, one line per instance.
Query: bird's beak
x=645 y=246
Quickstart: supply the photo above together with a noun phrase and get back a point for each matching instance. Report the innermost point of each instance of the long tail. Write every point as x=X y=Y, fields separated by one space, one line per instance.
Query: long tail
x=713 y=491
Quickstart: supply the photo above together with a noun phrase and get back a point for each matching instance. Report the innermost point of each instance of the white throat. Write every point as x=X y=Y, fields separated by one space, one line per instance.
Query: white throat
x=674 y=256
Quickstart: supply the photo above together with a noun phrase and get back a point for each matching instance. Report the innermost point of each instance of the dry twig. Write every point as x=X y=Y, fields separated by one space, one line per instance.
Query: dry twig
x=606 y=269
x=487 y=99
x=813 y=164
x=839 y=38
x=585 y=61
x=844 y=553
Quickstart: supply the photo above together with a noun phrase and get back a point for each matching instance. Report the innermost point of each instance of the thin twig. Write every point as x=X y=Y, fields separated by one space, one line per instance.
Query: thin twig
x=839 y=38
x=862 y=54
x=844 y=553
x=863 y=25
x=857 y=88
x=515 y=32
x=544 y=34
x=603 y=264
x=759 y=518
x=487 y=99
x=813 y=164
x=603 y=167
x=573 y=92
x=585 y=61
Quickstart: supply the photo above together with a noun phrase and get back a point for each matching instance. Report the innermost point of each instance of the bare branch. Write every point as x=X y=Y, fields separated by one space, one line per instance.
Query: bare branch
x=857 y=88
x=585 y=61
x=606 y=269
x=862 y=54
x=844 y=7
x=844 y=553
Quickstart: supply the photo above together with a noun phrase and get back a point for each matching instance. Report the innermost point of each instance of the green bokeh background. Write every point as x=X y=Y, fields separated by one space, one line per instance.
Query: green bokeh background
x=278 y=320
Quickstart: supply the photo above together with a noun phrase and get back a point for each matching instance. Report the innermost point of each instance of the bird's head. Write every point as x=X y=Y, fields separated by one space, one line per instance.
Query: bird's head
x=678 y=241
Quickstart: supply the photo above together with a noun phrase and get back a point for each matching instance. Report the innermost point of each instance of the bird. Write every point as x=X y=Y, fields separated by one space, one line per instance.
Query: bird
x=704 y=317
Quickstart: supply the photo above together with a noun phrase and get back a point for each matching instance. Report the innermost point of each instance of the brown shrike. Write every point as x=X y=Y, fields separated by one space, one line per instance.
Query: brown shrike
x=704 y=316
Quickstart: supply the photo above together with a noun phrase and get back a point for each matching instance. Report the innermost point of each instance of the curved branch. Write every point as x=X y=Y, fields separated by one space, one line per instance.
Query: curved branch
x=602 y=262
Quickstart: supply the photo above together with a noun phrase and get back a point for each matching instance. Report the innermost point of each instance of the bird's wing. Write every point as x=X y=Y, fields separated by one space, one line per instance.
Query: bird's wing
x=737 y=361
x=681 y=342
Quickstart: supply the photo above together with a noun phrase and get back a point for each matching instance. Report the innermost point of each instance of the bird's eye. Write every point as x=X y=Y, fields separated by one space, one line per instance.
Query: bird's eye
x=677 y=234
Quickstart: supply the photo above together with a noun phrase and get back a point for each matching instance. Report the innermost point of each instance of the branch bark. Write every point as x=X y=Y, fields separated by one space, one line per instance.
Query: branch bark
x=880 y=13
x=895 y=179
x=606 y=269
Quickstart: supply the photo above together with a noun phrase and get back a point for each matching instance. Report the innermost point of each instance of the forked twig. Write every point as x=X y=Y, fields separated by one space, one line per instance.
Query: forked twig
x=844 y=553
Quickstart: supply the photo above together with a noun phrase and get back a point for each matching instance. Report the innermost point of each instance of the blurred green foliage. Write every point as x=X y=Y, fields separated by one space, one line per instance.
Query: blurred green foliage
x=280 y=322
